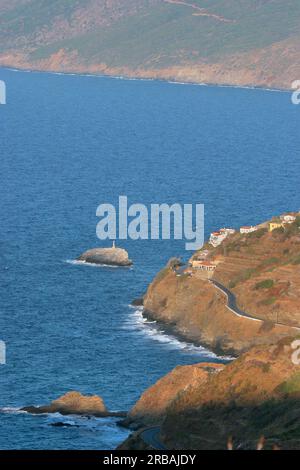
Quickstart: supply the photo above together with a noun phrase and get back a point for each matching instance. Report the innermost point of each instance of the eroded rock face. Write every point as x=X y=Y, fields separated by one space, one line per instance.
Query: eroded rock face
x=73 y=403
x=195 y=310
x=106 y=256
x=154 y=402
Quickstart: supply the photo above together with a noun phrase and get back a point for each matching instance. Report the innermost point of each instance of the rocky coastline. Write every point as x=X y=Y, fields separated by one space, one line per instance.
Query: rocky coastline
x=200 y=406
x=207 y=406
x=259 y=271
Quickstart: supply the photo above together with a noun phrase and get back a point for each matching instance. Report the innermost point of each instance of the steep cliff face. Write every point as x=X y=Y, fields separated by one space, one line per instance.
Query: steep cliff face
x=257 y=394
x=197 y=311
x=153 y=404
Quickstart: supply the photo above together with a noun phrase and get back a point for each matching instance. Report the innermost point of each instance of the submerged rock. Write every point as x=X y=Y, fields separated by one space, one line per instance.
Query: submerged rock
x=76 y=404
x=64 y=425
x=138 y=302
x=109 y=256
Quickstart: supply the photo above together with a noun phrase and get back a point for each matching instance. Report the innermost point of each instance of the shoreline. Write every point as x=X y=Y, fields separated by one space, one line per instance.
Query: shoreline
x=221 y=356
x=145 y=79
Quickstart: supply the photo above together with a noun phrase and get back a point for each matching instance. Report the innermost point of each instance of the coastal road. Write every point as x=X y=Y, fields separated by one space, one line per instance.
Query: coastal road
x=151 y=437
x=232 y=305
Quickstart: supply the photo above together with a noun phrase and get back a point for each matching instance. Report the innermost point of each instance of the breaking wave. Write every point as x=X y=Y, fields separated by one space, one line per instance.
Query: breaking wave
x=152 y=329
x=76 y=262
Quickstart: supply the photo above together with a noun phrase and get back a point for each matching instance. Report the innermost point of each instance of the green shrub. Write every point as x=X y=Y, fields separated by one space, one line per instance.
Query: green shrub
x=269 y=301
x=258 y=233
x=278 y=231
x=269 y=261
x=266 y=368
x=265 y=284
x=292 y=385
x=242 y=276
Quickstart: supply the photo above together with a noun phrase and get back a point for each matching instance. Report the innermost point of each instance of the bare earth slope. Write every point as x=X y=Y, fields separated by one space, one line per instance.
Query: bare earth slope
x=216 y=41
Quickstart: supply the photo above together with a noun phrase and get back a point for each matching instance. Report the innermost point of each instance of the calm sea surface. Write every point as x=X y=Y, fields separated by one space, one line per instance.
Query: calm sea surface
x=70 y=143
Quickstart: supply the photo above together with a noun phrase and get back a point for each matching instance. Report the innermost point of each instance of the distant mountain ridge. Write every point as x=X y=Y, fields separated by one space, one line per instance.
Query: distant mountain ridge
x=213 y=41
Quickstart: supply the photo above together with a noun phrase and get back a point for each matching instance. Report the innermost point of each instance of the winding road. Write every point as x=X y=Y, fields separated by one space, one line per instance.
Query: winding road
x=151 y=437
x=232 y=305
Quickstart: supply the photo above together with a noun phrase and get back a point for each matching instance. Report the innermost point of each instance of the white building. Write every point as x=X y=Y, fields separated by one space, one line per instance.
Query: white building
x=288 y=218
x=216 y=238
x=228 y=231
x=204 y=265
x=248 y=229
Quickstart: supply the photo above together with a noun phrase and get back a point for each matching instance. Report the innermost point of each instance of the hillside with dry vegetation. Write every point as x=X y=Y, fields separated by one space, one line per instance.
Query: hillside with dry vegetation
x=262 y=269
x=216 y=41
x=256 y=395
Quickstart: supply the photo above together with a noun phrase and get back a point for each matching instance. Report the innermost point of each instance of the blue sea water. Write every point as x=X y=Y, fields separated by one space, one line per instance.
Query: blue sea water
x=70 y=143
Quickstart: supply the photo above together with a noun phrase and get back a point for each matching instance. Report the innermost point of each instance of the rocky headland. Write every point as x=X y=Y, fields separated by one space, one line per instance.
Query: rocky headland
x=152 y=406
x=239 y=294
x=261 y=269
x=202 y=406
x=106 y=256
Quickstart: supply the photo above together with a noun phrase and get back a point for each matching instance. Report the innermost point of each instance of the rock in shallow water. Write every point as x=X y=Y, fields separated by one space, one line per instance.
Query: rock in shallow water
x=109 y=256
x=76 y=404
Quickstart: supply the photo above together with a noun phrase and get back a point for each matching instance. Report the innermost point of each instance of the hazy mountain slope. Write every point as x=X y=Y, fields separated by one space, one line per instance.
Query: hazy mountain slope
x=222 y=41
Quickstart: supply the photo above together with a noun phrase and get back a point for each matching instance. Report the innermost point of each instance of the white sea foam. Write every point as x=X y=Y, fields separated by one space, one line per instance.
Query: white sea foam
x=12 y=410
x=91 y=422
x=137 y=322
x=77 y=262
x=105 y=424
x=172 y=82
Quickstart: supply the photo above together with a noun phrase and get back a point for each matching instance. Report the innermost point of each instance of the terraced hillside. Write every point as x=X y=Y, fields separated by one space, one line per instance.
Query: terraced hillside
x=263 y=270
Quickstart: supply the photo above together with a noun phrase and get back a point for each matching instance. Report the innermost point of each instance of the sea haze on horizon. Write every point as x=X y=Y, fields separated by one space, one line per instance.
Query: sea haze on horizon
x=70 y=143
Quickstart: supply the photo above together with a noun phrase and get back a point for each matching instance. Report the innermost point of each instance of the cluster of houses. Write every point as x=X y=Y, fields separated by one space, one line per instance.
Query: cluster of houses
x=282 y=221
x=202 y=264
x=216 y=238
